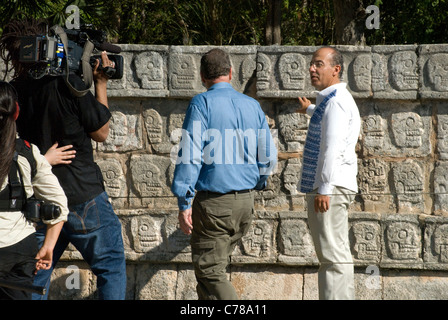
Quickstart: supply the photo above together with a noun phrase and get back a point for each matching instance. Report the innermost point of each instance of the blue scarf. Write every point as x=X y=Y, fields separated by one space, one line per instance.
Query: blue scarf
x=312 y=146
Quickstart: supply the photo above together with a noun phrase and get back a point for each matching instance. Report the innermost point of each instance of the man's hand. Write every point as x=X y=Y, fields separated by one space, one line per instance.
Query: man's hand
x=100 y=76
x=321 y=203
x=185 y=221
x=304 y=104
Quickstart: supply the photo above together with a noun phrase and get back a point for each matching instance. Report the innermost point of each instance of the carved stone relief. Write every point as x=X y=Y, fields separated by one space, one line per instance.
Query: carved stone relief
x=263 y=71
x=114 y=179
x=441 y=188
x=403 y=68
x=379 y=72
x=408 y=180
x=367 y=244
x=438 y=71
x=293 y=127
x=295 y=238
x=183 y=72
x=124 y=133
x=146 y=233
x=362 y=66
x=408 y=129
x=442 y=135
x=292 y=70
x=403 y=240
x=291 y=175
x=441 y=242
x=372 y=179
x=373 y=132
x=149 y=70
x=258 y=240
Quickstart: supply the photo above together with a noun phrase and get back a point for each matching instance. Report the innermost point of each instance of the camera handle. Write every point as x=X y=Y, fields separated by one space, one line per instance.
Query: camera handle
x=85 y=60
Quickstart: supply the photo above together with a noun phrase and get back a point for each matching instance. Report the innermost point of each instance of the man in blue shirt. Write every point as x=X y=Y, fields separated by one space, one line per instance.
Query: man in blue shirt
x=226 y=153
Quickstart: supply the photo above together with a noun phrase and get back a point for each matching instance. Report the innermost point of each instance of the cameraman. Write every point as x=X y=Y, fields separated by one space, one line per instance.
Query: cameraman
x=50 y=114
x=19 y=253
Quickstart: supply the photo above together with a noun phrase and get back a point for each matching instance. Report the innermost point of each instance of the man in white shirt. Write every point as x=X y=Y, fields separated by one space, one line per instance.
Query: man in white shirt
x=329 y=172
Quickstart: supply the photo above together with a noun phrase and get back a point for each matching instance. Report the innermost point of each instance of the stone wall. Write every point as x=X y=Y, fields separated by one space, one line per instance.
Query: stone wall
x=398 y=223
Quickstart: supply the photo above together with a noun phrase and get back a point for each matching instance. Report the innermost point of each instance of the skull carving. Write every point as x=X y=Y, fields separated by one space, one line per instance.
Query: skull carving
x=149 y=70
x=146 y=177
x=403 y=240
x=408 y=180
x=146 y=232
x=295 y=239
x=378 y=73
x=403 y=66
x=366 y=245
x=373 y=130
x=438 y=71
x=257 y=241
x=183 y=72
x=408 y=129
x=263 y=71
x=361 y=72
x=113 y=177
x=292 y=71
x=441 y=242
x=118 y=129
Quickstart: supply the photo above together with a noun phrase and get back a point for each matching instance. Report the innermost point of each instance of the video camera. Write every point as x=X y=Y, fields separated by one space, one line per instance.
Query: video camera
x=52 y=57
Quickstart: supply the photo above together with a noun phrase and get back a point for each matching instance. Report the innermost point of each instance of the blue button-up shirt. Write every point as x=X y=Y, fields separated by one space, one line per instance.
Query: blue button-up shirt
x=226 y=145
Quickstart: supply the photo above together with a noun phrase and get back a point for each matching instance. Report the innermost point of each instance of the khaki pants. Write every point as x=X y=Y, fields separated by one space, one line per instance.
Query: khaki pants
x=219 y=221
x=329 y=231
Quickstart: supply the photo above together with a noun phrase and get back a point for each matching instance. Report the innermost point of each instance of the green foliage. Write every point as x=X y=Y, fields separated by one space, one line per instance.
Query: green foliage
x=236 y=22
x=409 y=22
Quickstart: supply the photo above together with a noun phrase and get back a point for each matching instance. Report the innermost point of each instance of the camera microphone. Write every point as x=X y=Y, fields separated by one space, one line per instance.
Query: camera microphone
x=109 y=47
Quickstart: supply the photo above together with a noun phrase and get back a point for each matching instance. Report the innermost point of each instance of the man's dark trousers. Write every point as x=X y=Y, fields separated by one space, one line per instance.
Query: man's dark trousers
x=219 y=221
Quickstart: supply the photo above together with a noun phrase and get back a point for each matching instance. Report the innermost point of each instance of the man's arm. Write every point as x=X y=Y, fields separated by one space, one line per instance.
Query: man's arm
x=100 y=81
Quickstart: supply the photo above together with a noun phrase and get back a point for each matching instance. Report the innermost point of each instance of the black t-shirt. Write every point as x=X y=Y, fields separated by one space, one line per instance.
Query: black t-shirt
x=49 y=113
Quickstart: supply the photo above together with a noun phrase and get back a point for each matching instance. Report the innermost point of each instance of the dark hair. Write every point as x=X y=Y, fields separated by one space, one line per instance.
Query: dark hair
x=215 y=63
x=8 y=108
x=10 y=42
x=337 y=59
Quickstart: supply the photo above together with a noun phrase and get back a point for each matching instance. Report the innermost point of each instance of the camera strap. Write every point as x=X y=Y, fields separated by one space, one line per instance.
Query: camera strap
x=13 y=197
x=85 y=60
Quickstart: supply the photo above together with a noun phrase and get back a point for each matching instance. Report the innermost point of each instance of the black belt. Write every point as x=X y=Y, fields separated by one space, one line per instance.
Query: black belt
x=221 y=194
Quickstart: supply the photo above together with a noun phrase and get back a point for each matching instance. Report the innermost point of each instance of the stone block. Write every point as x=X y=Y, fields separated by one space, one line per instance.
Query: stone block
x=282 y=72
x=257 y=246
x=395 y=129
x=433 y=60
x=295 y=244
x=267 y=283
x=413 y=285
x=402 y=242
x=114 y=181
x=435 y=246
x=125 y=133
x=184 y=68
x=155 y=282
x=149 y=178
x=395 y=72
x=365 y=237
x=145 y=72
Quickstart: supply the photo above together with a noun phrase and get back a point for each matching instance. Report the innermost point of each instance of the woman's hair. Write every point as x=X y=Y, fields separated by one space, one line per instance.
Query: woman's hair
x=8 y=113
x=10 y=42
